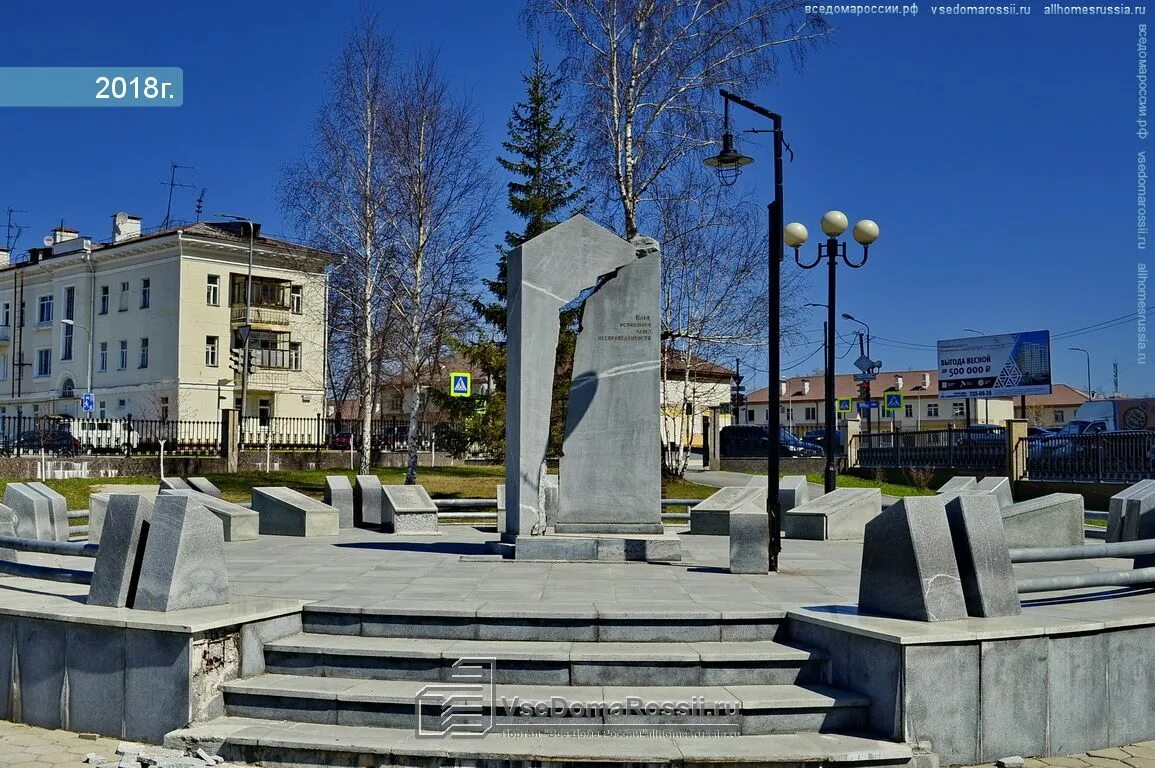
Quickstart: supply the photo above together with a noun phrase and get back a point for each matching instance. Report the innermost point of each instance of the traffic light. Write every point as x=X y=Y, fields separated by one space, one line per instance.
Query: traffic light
x=737 y=391
x=235 y=358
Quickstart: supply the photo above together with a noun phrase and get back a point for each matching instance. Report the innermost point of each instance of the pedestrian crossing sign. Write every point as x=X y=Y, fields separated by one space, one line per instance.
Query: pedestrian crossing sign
x=460 y=384
x=844 y=405
x=893 y=401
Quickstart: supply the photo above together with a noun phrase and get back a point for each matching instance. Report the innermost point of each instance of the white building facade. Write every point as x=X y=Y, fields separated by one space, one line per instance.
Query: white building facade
x=146 y=323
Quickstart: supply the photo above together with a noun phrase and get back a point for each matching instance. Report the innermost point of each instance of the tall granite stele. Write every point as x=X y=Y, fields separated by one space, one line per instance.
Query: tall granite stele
x=610 y=473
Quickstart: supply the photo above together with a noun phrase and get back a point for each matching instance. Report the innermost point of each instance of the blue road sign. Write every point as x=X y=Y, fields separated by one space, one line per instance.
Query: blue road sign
x=844 y=405
x=893 y=402
x=460 y=384
x=87 y=402
x=866 y=405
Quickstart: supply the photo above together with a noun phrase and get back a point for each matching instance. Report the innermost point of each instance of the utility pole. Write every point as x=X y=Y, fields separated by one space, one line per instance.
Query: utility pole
x=172 y=183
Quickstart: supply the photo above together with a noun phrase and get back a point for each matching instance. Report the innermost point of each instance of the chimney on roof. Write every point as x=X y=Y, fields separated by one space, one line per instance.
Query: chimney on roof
x=782 y=387
x=62 y=233
x=125 y=226
x=806 y=386
x=5 y=256
x=926 y=381
x=897 y=381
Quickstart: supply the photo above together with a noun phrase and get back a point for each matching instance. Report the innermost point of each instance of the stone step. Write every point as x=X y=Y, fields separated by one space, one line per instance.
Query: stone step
x=762 y=662
x=314 y=745
x=578 y=622
x=745 y=709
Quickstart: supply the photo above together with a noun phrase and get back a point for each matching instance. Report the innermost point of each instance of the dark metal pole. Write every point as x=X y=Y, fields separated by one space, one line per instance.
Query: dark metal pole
x=774 y=464
x=831 y=467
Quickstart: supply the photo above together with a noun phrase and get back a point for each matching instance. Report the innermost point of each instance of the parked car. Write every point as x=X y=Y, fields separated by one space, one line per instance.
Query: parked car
x=1039 y=432
x=985 y=435
x=752 y=441
x=58 y=441
x=818 y=437
x=342 y=440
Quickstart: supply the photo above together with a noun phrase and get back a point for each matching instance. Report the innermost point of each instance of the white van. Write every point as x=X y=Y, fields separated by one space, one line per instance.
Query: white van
x=105 y=435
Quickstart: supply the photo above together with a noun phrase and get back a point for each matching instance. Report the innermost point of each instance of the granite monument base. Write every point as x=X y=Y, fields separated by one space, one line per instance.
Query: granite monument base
x=1054 y=520
x=749 y=540
x=661 y=548
x=711 y=517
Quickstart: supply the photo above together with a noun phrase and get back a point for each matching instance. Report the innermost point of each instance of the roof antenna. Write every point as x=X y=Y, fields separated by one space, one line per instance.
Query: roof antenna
x=171 y=184
x=10 y=239
x=201 y=203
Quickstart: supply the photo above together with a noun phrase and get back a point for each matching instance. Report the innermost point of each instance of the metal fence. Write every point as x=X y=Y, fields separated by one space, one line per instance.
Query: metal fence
x=939 y=448
x=1109 y=457
x=59 y=436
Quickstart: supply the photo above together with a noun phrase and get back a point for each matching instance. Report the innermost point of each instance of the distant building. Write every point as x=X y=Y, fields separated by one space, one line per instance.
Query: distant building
x=1034 y=362
x=1054 y=410
x=151 y=318
x=804 y=401
x=690 y=391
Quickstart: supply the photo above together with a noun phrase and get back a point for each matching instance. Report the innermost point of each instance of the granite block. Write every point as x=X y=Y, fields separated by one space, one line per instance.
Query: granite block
x=153 y=662
x=1126 y=507
x=205 y=486
x=238 y=523
x=941 y=700
x=33 y=512
x=749 y=540
x=184 y=558
x=958 y=484
x=8 y=528
x=58 y=507
x=984 y=560
x=40 y=654
x=116 y=572
x=711 y=516
x=1054 y=520
x=1000 y=487
x=839 y=515
x=409 y=509
x=1130 y=685
x=909 y=569
x=174 y=484
x=501 y=509
x=1013 y=688
x=339 y=495
x=97 y=507
x=368 y=501
x=285 y=512
x=95 y=679
x=1077 y=694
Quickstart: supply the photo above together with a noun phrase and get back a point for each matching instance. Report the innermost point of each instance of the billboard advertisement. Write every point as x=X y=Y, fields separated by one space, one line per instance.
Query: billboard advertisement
x=1007 y=365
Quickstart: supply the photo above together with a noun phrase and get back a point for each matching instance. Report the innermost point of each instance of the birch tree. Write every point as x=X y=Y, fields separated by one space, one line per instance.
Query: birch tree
x=439 y=209
x=647 y=74
x=338 y=195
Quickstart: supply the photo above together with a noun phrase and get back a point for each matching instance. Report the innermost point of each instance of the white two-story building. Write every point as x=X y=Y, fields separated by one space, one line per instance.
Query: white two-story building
x=146 y=323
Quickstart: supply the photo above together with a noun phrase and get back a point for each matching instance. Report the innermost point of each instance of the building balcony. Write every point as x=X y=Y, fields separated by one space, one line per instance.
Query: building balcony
x=262 y=316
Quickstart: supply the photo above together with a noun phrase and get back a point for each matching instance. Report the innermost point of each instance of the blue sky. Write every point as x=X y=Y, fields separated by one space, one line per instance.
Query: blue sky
x=997 y=153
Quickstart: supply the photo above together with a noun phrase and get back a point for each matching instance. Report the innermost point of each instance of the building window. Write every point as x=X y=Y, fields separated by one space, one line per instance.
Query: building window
x=44 y=310
x=6 y=314
x=121 y=404
x=909 y=411
x=295 y=304
x=70 y=303
x=102 y=411
x=123 y=364
x=932 y=410
x=811 y=413
x=66 y=343
x=396 y=403
x=749 y=417
x=44 y=362
x=67 y=388
x=164 y=409
x=104 y=299
x=213 y=291
x=103 y=366
x=3 y=367
x=144 y=352
x=1060 y=417
x=958 y=409
x=790 y=414
x=295 y=355
x=145 y=293
x=264 y=411
x=123 y=297
x=212 y=351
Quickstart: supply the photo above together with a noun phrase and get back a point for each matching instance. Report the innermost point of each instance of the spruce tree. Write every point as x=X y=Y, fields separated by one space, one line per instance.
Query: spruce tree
x=545 y=190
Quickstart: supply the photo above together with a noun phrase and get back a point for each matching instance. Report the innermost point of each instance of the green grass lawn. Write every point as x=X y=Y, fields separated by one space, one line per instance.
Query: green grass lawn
x=890 y=489
x=470 y=482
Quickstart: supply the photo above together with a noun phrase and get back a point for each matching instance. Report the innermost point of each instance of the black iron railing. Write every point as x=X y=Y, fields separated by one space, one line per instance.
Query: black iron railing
x=1108 y=457
x=984 y=448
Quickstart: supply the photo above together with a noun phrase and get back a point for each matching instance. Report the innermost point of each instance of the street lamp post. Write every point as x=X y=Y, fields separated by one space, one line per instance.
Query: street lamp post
x=728 y=162
x=1088 y=354
x=865 y=351
x=248 y=326
x=834 y=223
x=88 y=335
